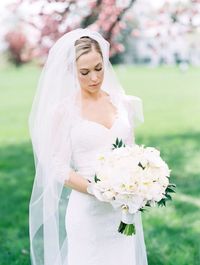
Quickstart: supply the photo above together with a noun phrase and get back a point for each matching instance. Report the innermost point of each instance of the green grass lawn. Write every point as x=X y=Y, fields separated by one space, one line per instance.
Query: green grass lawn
x=171 y=102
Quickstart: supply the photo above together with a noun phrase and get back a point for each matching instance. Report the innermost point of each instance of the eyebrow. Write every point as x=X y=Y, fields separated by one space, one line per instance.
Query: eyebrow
x=88 y=69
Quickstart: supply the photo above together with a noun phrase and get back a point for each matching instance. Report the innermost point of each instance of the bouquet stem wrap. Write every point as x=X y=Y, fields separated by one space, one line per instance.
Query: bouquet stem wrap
x=127 y=226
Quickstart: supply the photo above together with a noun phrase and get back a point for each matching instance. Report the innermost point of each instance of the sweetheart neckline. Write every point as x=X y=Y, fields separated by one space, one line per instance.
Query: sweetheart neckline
x=115 y=119
x=101 y=125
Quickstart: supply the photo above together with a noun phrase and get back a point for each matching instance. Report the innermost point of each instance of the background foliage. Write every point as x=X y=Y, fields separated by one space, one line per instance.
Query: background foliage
x=171 y=109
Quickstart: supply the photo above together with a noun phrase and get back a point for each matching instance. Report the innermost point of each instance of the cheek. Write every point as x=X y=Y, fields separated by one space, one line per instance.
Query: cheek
x=82 y=79
x=102 y=75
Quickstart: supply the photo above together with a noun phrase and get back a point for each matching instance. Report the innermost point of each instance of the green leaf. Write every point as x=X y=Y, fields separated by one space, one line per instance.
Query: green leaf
x=142 y=209
x=148 y=204
x=162 y=202
x=120 y=143
x=170 y=190
x=96 y=178
x=168 y=196
x=172 y=185
x=117 y=141
x=140 y=165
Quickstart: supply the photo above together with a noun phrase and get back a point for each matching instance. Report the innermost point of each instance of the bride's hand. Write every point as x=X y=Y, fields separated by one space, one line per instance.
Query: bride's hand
x=90 y=188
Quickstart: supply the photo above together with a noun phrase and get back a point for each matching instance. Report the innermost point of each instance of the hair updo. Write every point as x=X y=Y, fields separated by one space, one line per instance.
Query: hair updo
x=85 y=45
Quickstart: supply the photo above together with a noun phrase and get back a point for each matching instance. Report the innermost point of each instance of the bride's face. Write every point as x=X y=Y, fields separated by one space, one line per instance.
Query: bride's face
x=90 y=71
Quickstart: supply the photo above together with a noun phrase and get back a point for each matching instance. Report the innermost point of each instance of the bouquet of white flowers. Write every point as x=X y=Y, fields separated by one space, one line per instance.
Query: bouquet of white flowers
x=131 y=178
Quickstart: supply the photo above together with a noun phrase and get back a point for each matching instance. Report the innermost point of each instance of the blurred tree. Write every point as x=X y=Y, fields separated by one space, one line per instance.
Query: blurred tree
x=43 y=22
x=170 y=33
x=16 y=45
x=166 y=34
x=19 y=48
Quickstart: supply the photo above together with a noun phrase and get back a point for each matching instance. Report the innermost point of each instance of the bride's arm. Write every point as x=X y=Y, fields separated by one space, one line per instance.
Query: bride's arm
x=77 y=182
x=61 y=154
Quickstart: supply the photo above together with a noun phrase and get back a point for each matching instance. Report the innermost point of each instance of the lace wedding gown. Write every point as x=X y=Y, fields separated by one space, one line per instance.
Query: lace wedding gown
x=92 y=225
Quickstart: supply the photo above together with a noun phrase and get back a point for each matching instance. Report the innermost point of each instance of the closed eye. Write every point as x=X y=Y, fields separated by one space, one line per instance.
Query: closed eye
x=99 y=69
x=84 y=73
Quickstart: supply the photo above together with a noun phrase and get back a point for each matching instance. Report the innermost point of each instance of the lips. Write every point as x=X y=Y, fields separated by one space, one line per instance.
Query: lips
x=95 y=84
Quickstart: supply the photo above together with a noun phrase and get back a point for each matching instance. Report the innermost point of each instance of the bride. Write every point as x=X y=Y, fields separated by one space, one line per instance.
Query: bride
x=78 y=112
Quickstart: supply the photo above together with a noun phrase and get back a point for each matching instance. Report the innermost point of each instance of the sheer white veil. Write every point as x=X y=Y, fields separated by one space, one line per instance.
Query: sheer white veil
x=53 y=110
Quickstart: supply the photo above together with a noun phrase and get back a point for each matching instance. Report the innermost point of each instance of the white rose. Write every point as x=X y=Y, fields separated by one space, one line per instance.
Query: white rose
x=156 y=191
x=108 y=195
x=164 y=181
x=135 y=204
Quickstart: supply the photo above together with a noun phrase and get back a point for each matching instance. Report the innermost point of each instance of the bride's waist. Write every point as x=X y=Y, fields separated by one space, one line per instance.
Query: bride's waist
x=87 y=172
x=87 y=166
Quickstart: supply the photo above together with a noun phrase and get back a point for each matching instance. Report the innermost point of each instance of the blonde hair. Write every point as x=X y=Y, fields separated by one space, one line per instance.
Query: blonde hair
x=85 y=44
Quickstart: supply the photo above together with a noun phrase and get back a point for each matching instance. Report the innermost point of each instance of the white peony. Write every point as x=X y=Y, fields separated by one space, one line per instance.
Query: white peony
x=132 y=176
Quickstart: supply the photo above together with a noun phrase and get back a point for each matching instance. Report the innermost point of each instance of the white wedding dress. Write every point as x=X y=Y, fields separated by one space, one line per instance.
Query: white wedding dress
x=92 y=225
x=82 y=231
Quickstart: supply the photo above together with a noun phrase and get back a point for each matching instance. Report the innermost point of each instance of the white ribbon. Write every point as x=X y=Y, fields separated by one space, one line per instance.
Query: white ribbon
x=127 y=218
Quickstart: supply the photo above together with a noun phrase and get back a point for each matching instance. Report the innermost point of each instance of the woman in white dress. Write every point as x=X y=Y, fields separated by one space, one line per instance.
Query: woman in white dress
x=78 y=112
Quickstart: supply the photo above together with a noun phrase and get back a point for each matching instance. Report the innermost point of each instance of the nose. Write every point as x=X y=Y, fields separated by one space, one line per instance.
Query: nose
x=93 y=77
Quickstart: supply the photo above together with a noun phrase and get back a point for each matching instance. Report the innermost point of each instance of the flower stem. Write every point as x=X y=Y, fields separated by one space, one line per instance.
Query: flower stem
x=126 y=229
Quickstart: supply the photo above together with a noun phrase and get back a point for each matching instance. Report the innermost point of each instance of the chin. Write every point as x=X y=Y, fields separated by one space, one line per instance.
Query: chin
x=94 y=89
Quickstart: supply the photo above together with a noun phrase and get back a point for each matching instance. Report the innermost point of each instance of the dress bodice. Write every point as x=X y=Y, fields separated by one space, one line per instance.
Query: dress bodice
x=87 y=140
x=90 y=139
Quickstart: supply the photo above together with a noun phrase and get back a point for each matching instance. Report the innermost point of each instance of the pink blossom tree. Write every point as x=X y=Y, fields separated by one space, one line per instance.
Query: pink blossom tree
x=170 y=33
x=43 y=22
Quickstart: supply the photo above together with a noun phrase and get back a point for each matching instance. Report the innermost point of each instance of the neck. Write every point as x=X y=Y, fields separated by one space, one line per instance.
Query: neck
x=91 y=96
